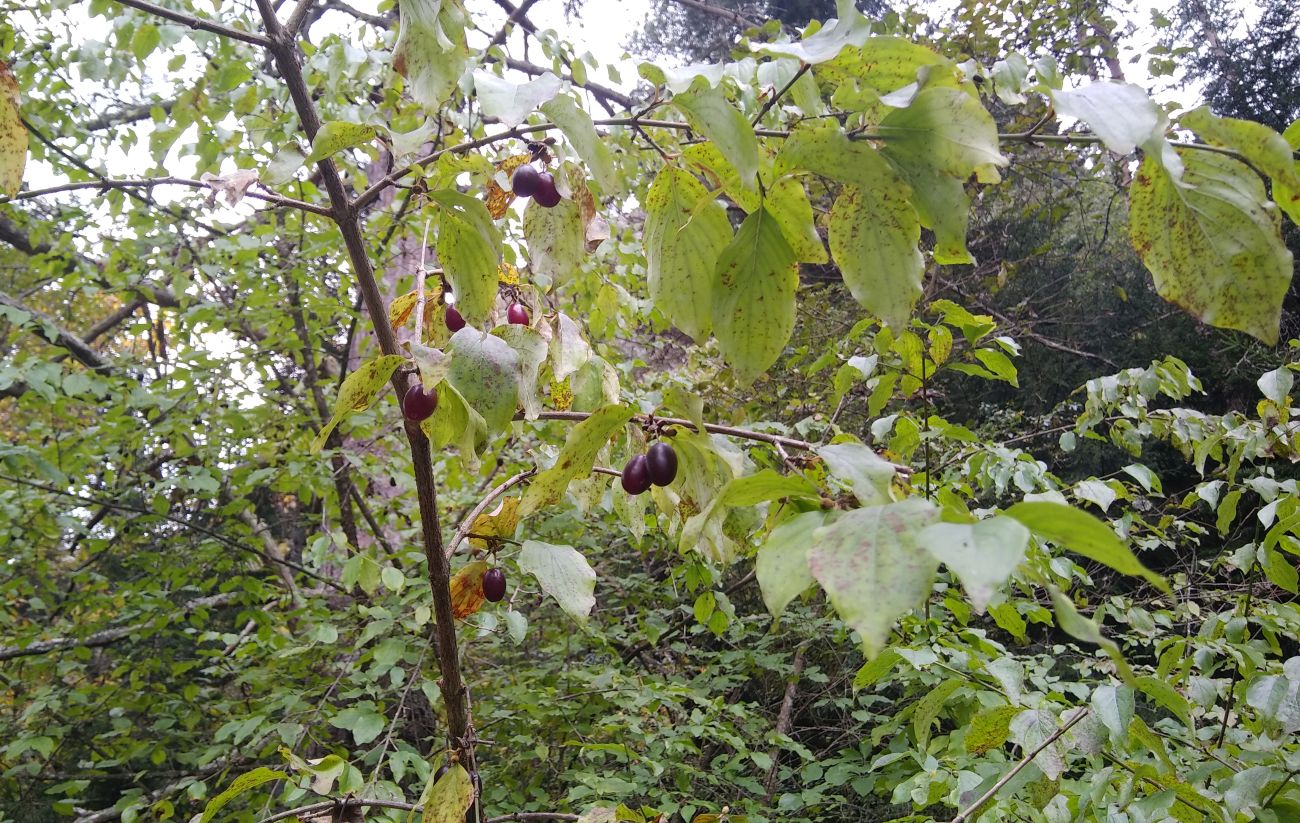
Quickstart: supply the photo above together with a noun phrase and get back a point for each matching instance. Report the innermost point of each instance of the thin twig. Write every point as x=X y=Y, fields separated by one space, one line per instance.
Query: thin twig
x=200 y=23
x=771 y=101
x=468 y=523
x=269 y=197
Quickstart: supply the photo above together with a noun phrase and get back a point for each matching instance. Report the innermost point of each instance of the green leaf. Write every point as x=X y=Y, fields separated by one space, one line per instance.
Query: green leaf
x=849 y=28
x=983 y=555
x=145 y=40
x=1114 y=706
x=575 y=460
x=754 y=299
x=1081 y=628
x=510 y=102
x=686 y=230
x=928 y=708
x=590 y=146
x=1083 y=534
x=989 y=729
x=876 y=668
x=1029 y=730
x=13 y=134
x=516 y=626
x=707 y=158
x=1123 y=115
x=874 y=236
x=766 y=485
x=868 y=474
x=364 y=722
x=568 y=349
x=454 y=422
x=451 y=797
x=430 y=51
x=782 y=563
x=486 y=372
x=241 y=784
x=563 y=573
x=710 y=114
x=530 y=353
x=335 y=137
x=282 y=168
x=1280 y=571
x=871 y=567
x=358 y=391
x=468 y=247
x=787 y=201
x=1212 y=244
x=555 y=239
x=1276 y=384
x=1167 y=696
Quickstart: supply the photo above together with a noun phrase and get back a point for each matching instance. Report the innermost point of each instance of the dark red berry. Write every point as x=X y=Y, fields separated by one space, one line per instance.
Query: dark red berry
x=517 y=314
x=443 y=769
x=525 y=181
x=636 y=475
x=494 y=585
x=661 y=461
x=454 y=321
x=419 y=404
x=546 y=194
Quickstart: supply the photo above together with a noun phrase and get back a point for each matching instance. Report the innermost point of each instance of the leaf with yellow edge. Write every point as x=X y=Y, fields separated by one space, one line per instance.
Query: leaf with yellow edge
x=451 y=797
x=575 y=460
x=467 y=589
x=499 y=199
x=561 y=395
x=358 y=392
x=402 y=307
x=13 y=134
x=500 y=522
x=431 y=52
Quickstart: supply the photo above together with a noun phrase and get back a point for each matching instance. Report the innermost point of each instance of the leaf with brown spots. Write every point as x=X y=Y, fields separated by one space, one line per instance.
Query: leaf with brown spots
x=1212 y=241
x=13 y=134
x=498 y=199
x=584 y=442
x=754 y=297
x=358 y=392
x=500 y=522
x=467 y=589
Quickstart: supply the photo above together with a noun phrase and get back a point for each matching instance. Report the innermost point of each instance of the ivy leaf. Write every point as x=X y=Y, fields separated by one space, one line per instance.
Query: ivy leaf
x=241 y=784
x=868 y=474
x=874 y=237
x=451 y=797
x=563 y=573
x=1084 y=534
x=710 y=114
x=871 y=567
x=336 y=136
x=590 y=146
x=983 y=555
x=510 y=102
x=13 y=134
x=1123 y=115
x=584 y=442
x=1211 y=243
x=468 y=247
x=431 y=52
x=754 y=298
x=686 y=230
x=782 y=564
x=358 y=392
x=486 y=372
x=850 y=28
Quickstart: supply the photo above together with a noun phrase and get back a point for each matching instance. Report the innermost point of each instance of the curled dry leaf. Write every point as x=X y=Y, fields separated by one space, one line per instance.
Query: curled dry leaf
x=498 y=199
x=233 y=186
x=500 y=522
x=467 y=589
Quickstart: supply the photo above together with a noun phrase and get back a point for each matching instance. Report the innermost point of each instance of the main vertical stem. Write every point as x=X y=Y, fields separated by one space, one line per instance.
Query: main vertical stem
x=284 y=50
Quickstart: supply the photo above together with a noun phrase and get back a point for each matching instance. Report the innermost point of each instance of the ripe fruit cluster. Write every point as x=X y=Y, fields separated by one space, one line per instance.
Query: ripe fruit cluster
x=539 y=185
x=658 y=467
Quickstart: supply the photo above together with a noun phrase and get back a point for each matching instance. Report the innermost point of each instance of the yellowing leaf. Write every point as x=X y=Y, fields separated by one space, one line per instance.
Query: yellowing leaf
x=576 y=458
x=450 y=797
x=335 y=137
x=13 y=134
x=403 y=306
x=499 y=199
x=500 y=522
x=467 y=589
x=561 y=395
x=431 y=52
x=710 y=114
x=1212 y=242
x=754 y=298
x=358 y=392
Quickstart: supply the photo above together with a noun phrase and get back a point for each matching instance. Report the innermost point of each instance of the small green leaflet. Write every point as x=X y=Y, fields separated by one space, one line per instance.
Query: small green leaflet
x=450 y=797
x=686 y=230
x=710 y=114
x=469 y=249
x=563 y=573
x=581 y=132
x=1212 y=244
x=871 y=567
x=358 y=392
x=754 y=298
x=243 y=783
x=335 y=137
x=584 y=442
x=871 y=671
x=1082 y=533
x=1081 y=628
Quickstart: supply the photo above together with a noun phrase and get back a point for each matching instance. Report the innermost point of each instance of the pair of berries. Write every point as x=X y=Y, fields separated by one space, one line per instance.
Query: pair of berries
x=539 y=185
x=658 y=467
x=517 y=314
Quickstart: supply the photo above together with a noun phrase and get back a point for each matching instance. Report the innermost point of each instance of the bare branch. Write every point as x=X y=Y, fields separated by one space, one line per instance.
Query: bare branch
x=153 y=182
x=200 y=23
x=49 y=330
x=127 y=115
